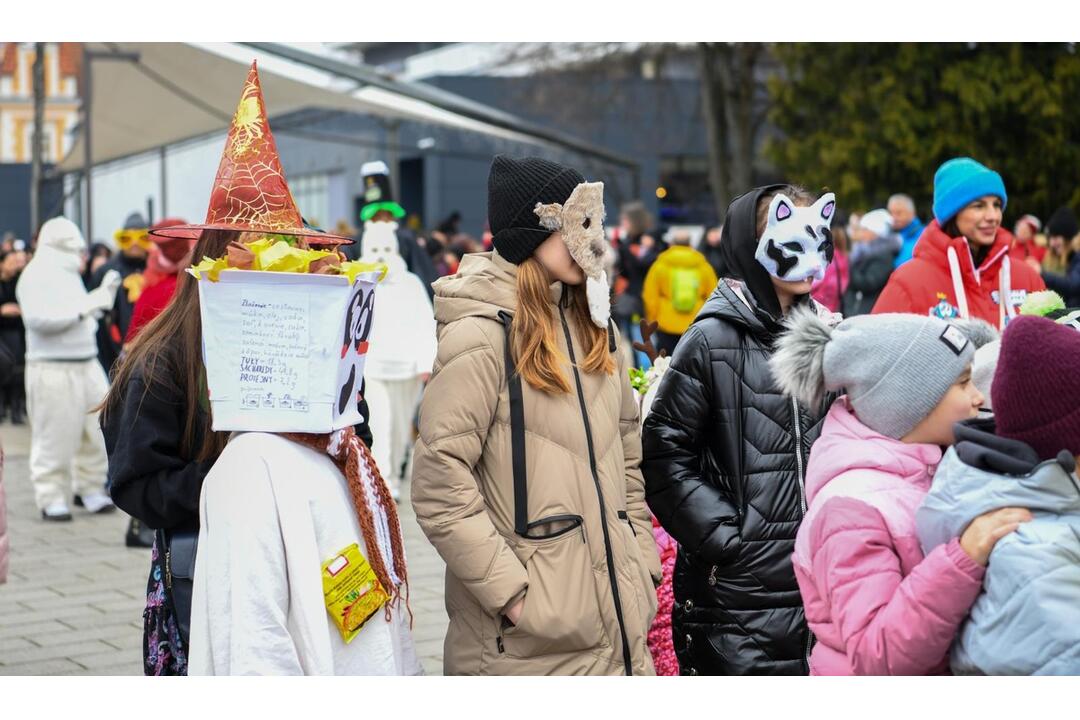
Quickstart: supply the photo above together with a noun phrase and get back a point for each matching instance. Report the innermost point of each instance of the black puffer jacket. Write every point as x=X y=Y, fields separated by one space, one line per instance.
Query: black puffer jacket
x=724 y=457
x=723 y=467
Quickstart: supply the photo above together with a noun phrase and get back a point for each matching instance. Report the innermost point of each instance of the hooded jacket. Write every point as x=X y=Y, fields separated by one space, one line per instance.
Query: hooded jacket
x=875 y=603
x=588 y=587
x=1024 y=622
x=659 y=287
x=725 y=453
x=942 y=279
x=53 y=299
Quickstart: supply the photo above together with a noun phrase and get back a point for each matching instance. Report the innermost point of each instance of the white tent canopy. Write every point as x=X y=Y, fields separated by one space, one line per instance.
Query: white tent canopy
x=177 y=91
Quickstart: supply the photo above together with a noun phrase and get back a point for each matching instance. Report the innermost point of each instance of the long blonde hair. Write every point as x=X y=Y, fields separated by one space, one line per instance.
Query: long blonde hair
x=535 y=342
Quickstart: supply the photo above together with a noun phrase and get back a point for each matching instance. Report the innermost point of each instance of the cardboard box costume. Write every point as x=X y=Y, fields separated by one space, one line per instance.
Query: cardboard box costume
x=286 y=328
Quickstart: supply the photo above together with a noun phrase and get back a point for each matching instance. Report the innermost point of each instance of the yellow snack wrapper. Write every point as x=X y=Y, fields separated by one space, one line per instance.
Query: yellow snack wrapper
x=352 y=591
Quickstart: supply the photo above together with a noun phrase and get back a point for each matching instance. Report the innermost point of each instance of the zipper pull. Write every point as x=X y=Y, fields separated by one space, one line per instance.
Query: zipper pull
x=499 y=644
x=712 y=576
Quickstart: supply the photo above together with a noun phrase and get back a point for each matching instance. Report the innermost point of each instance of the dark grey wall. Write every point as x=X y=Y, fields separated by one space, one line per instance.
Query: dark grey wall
x=15 y=199
x=640 y=119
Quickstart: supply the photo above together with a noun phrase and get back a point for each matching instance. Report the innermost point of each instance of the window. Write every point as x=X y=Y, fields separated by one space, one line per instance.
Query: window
x=312 y=196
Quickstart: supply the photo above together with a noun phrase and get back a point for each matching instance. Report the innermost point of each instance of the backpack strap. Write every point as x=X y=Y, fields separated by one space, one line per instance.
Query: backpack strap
x=517 y=432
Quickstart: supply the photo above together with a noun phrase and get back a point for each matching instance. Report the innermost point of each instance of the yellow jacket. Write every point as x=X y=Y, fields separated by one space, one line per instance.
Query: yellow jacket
x=676 y=263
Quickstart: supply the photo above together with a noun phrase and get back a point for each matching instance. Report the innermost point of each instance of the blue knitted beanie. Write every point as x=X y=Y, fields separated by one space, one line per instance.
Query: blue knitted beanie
x=960 y=181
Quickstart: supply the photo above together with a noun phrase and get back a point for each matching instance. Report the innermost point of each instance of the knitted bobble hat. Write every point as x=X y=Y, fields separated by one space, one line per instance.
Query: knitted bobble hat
x=895 y=368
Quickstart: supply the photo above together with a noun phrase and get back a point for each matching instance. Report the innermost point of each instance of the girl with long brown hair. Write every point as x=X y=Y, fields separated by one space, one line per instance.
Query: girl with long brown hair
x=156 y=423
x=156 y=418
x=525 y=475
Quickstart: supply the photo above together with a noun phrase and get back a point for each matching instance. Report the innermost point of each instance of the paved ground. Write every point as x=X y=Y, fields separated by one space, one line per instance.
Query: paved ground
x=74 y=597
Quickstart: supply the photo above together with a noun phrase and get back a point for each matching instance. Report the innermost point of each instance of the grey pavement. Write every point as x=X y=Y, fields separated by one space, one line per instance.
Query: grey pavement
x=74 y=598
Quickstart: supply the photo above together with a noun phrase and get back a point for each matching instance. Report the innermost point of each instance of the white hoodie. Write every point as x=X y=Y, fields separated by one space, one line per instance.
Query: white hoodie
x=57 y=310
x=271 y=512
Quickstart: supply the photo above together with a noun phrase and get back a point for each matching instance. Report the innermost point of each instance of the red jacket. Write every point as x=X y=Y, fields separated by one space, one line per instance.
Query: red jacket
x=930 y=282
x=150 y=304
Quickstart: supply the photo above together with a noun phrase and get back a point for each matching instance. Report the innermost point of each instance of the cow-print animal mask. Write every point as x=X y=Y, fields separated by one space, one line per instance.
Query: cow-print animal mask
x=797 y=243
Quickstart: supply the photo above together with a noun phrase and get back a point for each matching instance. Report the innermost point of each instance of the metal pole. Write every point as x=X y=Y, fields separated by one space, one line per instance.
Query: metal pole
x=164 y=202
x=392 y=157
x=88 y=229
x=35 y=141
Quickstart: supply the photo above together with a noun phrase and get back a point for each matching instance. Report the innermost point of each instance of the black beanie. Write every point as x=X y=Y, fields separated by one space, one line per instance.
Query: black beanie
x=1062 y=222
x=514 y=188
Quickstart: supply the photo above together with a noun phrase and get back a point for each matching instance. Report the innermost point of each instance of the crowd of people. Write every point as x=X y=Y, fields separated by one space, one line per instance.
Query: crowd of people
x=819 y=442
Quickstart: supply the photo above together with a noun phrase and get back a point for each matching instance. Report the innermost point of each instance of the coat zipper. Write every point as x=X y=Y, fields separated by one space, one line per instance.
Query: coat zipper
x=795 y=422
x=627 y=662
x=798 y=455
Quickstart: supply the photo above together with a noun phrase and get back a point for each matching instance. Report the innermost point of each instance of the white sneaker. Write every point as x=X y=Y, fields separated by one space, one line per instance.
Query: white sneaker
x=95 y=502
x=56 y=512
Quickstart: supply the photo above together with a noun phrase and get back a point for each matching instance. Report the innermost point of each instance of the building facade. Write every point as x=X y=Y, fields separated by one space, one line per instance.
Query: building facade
x=62 y=69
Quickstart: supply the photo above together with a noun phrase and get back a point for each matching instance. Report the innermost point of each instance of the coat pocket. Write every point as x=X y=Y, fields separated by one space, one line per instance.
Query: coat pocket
x=561 y=613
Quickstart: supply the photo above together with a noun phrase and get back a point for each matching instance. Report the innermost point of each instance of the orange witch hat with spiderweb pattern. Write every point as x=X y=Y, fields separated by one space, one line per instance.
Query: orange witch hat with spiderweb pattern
x=250 y=193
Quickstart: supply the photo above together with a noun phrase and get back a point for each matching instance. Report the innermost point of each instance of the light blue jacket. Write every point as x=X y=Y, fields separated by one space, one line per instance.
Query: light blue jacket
x=1027 y=619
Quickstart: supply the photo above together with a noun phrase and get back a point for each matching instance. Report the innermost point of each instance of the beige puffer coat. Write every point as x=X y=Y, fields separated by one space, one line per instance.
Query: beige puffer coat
x=589 y=591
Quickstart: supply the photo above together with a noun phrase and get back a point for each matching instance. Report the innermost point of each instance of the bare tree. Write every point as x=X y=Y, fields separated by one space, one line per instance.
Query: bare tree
x=734 y=110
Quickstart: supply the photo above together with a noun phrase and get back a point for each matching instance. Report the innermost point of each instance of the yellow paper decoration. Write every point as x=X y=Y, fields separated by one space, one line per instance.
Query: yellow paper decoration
x=352 y=268
x=273 y=255
x=282 y=257
x=210 y=266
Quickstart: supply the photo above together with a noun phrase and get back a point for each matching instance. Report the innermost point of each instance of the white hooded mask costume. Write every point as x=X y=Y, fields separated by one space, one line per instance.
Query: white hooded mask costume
x=64 y=380
x=403 y=346
x=57 y=310
x=403 y=342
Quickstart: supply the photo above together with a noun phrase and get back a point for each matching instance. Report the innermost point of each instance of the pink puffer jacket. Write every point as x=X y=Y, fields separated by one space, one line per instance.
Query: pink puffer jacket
x=875 y=603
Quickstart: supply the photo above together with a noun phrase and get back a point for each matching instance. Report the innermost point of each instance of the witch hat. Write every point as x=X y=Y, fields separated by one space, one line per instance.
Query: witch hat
x=250 y=193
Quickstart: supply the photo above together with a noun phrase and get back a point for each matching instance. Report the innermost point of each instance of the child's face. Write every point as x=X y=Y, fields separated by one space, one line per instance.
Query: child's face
x=961 y=402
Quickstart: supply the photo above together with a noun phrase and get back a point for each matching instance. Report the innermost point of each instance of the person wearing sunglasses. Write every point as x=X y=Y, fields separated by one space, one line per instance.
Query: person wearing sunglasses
x=133 y=246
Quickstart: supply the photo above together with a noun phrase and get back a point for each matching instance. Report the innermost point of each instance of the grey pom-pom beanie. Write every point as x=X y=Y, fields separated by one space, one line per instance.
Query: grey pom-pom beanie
x=895 y=368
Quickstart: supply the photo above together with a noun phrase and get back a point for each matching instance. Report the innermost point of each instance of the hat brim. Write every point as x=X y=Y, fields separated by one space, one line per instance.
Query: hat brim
x=192 y=232
x=368 y=211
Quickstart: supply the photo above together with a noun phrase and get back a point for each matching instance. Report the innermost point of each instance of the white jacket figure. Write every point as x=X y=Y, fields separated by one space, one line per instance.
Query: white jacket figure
x=402 y=351
x=258 y=605
x=64 y=380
